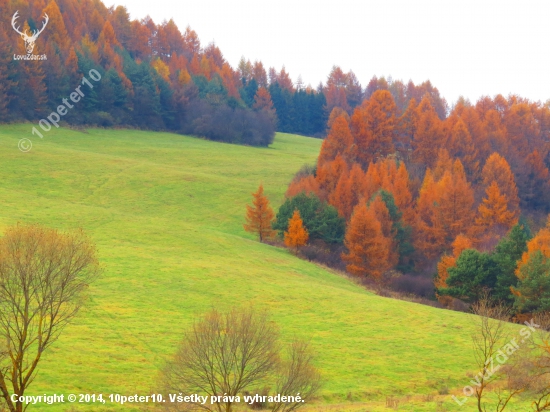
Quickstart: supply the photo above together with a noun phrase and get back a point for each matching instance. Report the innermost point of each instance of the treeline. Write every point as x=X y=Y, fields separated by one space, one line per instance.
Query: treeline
x=156 y=77
x=452 y=199
x=152 y=76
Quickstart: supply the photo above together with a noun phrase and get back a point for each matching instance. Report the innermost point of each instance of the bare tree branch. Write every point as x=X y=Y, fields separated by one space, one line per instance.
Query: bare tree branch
x=43 y=276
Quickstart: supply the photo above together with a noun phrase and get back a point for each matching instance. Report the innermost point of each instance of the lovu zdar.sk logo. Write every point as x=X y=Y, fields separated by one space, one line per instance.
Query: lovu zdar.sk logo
x=29 y=39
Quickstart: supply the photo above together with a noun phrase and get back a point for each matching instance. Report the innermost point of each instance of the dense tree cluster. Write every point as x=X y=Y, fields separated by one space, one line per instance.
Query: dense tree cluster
x=422 y=191
x=152 y=75
x=156 y=77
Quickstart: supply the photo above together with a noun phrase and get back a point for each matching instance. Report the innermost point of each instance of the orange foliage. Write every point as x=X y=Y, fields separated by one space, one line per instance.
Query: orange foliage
x=259 y=217
x=195 y=66
x=456 y=203
x=495 y=132
x=328 y=175
x=406 y=127
x=429 y=236
x=494 y=213
x=162 y=69
x=429 y=135
x=402 y=194
x=297 y=235
x=498 y=170
x=443 y=164
x=336 y=113
x=262 y=100
x=349 y=191
x=373 y=127
x=462 y=146
x=306 y=184
x=541 y=242
x=367 y=246
x=339 y=141
x=373 y=180
x=386 y=224
x=460 y=244
x=57 y=31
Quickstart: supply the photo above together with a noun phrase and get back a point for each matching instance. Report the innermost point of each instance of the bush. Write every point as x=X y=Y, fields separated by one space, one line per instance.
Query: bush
x=225 y=124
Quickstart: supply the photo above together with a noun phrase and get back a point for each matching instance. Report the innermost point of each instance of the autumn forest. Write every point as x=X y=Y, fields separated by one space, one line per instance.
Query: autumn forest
x=407 y=190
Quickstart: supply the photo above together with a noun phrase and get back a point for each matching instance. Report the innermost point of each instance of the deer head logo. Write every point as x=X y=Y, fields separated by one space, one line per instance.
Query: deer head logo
x=29 y=40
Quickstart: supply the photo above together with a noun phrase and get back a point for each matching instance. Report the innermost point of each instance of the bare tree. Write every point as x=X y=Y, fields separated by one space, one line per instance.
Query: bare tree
x=43 y=276
x=224 y=354
x=228 y=354
x=540 y=366
x=490 y=336
x=297 y=375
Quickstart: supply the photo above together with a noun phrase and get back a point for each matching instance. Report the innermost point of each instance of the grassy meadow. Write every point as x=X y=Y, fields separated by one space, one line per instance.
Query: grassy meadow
x=166 y=212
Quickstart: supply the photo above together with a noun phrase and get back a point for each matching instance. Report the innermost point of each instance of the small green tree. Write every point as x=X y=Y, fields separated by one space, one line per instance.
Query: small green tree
x=507 y=253
x=402 y=232
x=475 y=273
x=532 y=293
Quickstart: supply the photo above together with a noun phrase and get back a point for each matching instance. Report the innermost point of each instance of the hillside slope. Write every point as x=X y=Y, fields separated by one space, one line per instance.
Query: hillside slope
x=166 y=212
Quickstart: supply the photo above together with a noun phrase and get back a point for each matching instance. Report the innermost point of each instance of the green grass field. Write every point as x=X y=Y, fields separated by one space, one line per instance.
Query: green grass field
x=166 y=212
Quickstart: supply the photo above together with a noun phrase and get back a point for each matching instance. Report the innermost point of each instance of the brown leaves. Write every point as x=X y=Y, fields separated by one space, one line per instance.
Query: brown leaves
x=368 y=247
x=259 y=217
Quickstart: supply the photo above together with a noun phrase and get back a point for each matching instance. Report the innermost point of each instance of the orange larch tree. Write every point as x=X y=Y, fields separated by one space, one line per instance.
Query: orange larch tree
x=495 y=132
x=386 y=224
x=339 y=141
x=541 y=242
x=367 y=246
x=428 y=134
x=402 y=194
x=388 y=173
x=306 y=184
x=462 y=146
x=373 y=127
x=335 y=114
x=328 y=175
x=262 y=100
x=472 y=119
x=259 y=217
x=429 y=234
x=494 y=218
x=297 y=235
x=456 y=203
x=498 y=170
x=349 y=191
x=443 y=164
x=373 y=180
x=406 y=128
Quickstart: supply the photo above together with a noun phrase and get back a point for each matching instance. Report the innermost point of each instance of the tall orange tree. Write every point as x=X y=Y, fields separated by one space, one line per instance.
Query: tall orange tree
x=428 y=136
x=494 y=217
x=498 y=170
x=388 y=230
x=462 y=146
x=349 y=191
x=429 y=234
x=368 y=248
x=259 y=217
x=339 y=141
x=296 y=236
x=373 y=127
x=456 y=203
